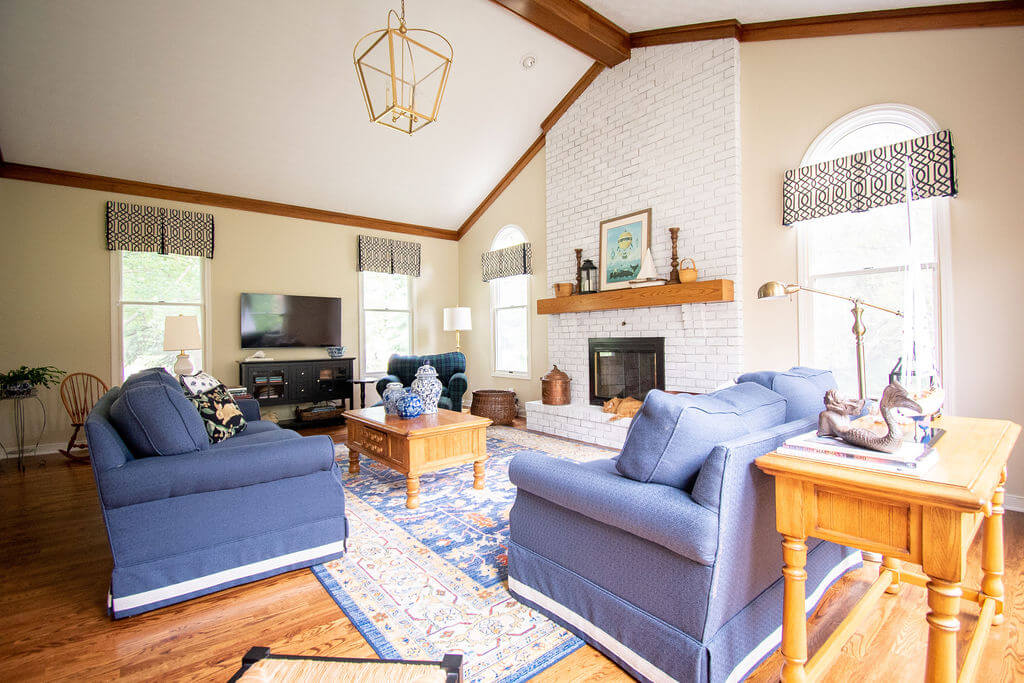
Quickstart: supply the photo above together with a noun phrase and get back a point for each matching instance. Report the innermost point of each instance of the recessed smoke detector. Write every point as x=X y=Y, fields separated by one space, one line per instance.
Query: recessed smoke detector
x=529 y=61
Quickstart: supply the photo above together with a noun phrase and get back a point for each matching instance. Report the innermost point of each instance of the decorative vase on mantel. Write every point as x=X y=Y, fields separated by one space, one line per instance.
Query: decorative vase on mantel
x=392 y=393
x=428 y=387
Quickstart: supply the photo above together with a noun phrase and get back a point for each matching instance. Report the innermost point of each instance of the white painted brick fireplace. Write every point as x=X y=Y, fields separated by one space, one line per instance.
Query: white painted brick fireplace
x=660 y=130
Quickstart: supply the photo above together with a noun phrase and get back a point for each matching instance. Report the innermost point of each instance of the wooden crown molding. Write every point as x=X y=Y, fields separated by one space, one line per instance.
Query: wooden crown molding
x=574 y=94
x=709 y=30
x=577 y=25
x=38 y=174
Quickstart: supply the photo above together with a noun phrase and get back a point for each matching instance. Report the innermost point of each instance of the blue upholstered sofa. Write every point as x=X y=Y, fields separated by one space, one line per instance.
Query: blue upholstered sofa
x=666 y=558
x=186 y=518
x=451 y=370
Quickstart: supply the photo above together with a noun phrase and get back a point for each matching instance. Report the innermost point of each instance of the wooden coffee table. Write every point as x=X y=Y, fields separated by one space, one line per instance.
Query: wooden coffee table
x=422 y=444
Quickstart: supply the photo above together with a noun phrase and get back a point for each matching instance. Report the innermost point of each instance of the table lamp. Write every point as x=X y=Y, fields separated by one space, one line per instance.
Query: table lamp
x=456 y=320
x=777 y=290
x=181 y=333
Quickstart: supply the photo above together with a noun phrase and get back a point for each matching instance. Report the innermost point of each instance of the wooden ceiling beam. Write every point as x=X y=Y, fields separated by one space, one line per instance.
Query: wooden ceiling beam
x=709 y=30
x=577 y=25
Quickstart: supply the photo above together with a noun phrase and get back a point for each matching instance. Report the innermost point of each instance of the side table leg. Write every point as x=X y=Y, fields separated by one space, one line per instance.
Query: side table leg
x=893 y=566
x=412 y=492
x=353 y=462
x=992 y=552
x=943 y=625
x=478 y=474
x=794 y=615
x=362 y=395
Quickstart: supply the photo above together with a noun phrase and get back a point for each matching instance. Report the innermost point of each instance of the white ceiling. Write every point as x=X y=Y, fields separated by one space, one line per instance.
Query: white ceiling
x=258 y=98
x=642 y=15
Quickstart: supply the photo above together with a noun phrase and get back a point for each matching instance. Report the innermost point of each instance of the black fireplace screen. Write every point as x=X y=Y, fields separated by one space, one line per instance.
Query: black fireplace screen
x=627 y=366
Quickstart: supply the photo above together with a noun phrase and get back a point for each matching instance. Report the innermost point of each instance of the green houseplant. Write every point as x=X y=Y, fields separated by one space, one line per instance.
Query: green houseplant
x=24 y=380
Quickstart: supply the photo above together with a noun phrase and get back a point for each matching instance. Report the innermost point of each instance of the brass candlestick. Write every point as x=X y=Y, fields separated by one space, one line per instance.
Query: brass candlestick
x=673 y=277
x=579 y=272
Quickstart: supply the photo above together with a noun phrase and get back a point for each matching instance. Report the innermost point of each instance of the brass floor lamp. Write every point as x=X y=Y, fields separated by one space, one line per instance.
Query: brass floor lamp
x=777 y=290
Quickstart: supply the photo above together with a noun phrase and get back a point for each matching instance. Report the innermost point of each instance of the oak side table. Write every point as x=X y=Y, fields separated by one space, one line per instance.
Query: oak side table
x=928 y=520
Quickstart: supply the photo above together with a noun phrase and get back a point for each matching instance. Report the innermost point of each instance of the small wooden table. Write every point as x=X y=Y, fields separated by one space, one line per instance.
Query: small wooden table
x=422 y=444
x=362 y=389
x=929 y=520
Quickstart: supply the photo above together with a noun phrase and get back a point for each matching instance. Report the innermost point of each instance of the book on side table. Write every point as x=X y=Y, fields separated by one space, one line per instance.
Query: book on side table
x=911 y=457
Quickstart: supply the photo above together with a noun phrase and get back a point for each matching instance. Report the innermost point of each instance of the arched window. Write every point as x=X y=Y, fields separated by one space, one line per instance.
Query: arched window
x=867 y=255
x=510 y=314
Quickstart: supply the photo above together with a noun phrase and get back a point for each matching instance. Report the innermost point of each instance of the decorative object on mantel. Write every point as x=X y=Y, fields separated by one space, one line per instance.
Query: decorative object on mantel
x=777 y=290
x=831 y=423
x=673 y=276
x=457 y=320
x=555 y=388
x=181 y=333
x=335 y=351
x=563 y=288
x=624 y=240
x=648 y=275
x=428 y=387
x=579 y=276
x=588 y=278
x=621 y=407
x=688 y=274
x=392 y=393
x=402 y=72
x=498 y=405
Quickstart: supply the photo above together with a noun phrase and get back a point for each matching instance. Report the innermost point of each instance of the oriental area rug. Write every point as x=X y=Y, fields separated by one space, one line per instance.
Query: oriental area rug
x=421 y=583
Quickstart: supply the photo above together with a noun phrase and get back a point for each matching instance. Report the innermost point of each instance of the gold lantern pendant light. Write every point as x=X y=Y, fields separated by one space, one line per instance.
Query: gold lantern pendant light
x=402 y=72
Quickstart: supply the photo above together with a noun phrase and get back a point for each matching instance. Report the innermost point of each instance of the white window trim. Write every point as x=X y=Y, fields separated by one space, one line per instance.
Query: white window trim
x=362 y=326
x=503 y=374
x=923 y=124
x=117 y=318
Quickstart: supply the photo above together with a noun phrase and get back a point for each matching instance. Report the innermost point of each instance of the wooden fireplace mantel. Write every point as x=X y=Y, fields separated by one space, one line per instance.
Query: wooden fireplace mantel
x=701 y=292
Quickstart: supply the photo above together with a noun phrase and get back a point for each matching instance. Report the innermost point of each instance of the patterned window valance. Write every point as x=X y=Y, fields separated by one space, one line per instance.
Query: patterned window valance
x=135 y=227
x=867 y=180
x=383 y=255
x=514 y=260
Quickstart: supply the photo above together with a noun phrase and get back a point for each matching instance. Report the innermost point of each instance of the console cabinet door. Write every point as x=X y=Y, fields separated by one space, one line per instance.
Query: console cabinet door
x=302 y=382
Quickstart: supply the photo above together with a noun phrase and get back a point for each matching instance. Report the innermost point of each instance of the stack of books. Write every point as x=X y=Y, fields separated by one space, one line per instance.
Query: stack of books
x=911 y=458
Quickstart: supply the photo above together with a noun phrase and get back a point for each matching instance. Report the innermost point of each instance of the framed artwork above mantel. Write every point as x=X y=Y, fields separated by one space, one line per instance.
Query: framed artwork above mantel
x=624 y=240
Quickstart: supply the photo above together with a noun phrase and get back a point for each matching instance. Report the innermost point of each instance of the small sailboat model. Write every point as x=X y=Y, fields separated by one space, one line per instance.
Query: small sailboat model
x=647 y=276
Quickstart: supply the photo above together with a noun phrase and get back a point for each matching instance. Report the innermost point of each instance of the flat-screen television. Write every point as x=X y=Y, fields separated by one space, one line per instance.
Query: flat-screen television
x=274 y=320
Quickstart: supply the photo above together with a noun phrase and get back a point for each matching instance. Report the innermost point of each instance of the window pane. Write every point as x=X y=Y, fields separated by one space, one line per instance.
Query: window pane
x=510 y=291
x=383 y=290
x=510 y=340
x=147 y=276
x=385 y=333
x=867 y=137
x=508 y=236
x=143 y=337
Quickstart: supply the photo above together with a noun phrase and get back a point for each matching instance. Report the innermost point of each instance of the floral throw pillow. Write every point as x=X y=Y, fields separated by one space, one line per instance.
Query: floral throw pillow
x=220 y=413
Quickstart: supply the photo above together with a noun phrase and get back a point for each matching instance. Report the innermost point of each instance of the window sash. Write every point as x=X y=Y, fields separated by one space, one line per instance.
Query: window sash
x=495 y=314
x=363 y=311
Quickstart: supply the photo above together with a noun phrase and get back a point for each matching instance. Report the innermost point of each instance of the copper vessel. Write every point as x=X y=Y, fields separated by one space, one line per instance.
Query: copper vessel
x=554 y=388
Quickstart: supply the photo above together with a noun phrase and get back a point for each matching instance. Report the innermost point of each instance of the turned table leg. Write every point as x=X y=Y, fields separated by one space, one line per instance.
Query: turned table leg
x=412 y=492
x=353 y=462
x=893 y=566
x=478 y=474
x=992 y=552
x=794 y=616
x=943 y=625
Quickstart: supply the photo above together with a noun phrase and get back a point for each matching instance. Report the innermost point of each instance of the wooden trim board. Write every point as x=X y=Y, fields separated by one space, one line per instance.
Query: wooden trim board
x=702 y=291
x=51 y=176
x=574 y=94
x=577 y=25
x=709 y=30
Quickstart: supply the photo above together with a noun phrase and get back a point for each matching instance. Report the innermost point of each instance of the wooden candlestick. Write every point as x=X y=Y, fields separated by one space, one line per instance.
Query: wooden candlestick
x=579 y=272
x=673 y=276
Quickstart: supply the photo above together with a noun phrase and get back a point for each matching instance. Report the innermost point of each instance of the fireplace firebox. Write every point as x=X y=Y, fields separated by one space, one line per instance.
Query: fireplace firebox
x=625 y=366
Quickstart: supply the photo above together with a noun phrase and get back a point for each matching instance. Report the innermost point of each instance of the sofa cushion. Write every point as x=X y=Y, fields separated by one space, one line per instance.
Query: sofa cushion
x=154 y=418
x=221 y=415
x=671 y=436
x=804 y=388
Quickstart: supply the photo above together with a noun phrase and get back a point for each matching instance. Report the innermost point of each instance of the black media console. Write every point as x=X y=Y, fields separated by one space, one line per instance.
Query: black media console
x=276 y=382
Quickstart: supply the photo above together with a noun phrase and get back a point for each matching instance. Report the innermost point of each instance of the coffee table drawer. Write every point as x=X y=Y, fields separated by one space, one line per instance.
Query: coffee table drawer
x=374 y=443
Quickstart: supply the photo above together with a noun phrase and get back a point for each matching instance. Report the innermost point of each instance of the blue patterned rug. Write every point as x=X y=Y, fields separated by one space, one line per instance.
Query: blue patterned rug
x=420 y=583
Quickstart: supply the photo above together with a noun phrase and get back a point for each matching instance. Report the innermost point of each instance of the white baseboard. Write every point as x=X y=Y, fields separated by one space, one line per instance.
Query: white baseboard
x=44 y=449
x=1015 y=503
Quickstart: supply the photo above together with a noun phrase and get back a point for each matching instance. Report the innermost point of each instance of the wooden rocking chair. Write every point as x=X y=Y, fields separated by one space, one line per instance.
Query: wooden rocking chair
x=80 y=391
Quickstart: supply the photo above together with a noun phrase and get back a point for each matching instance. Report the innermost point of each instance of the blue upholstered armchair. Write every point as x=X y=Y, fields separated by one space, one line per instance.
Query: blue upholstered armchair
x=666 y=558
x=186 y=518
x=451 y=370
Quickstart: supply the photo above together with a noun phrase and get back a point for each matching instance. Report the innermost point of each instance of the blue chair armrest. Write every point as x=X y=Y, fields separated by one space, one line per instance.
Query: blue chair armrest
x=661 y=514
x=156 y=478
x=250 y=408
x=383 y=382
x=457 y=386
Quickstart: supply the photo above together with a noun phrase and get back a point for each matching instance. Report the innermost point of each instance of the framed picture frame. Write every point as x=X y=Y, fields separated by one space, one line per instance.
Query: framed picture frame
x=624 y=240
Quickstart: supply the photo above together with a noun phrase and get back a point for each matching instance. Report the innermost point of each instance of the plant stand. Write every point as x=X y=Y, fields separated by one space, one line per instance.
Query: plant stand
x=18 y=415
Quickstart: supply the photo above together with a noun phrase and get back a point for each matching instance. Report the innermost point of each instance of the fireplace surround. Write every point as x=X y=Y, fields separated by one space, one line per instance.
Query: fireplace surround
x=625 y=366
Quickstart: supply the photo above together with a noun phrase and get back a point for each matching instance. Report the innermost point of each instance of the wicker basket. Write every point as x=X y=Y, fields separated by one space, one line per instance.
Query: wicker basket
x=497 y=404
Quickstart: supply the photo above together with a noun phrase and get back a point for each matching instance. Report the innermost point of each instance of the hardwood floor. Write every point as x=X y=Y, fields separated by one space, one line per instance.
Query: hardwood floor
x=56 y=566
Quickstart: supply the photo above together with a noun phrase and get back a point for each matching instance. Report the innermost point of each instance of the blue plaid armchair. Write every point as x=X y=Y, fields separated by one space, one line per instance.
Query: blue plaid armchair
x=451 y=370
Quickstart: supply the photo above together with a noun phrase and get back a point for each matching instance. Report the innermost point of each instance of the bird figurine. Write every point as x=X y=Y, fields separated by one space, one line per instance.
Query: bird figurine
x=835 y=419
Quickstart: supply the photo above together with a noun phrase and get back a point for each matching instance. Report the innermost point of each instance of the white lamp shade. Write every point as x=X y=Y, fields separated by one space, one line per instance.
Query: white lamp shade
x=181 y=332
x=459 y=318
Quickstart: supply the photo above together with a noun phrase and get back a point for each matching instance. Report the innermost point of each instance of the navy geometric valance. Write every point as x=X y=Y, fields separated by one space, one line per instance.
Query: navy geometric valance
x=136 y=227
x=514 y=260
x=867 y=180
x=383 y=255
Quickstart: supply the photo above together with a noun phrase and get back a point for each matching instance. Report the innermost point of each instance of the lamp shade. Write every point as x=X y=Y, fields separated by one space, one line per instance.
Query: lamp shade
x=775 y=290
x=181 y=332
x=459 y=318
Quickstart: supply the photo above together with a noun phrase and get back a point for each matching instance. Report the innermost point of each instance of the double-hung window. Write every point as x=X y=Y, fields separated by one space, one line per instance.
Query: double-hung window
x=387 y=325
x=510 y=314
x=147 y=288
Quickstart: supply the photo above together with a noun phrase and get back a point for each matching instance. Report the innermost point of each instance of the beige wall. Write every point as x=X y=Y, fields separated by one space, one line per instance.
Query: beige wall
x=55 y=296
x=970 y=82
x=522 y=203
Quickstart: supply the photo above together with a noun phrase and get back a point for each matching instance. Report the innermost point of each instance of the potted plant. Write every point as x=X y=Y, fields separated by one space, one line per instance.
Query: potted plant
x=24 y=380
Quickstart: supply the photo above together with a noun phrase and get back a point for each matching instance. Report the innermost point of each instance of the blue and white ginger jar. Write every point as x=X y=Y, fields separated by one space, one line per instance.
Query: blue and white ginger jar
x=409 y=406
x=392 y=393
x=428 y=387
